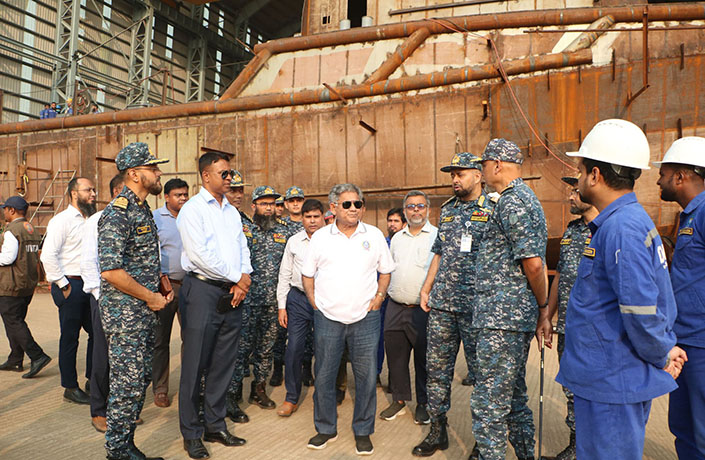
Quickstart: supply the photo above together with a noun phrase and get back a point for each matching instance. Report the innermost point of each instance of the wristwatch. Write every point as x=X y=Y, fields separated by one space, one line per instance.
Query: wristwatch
x=66 y=288
x=381 y=294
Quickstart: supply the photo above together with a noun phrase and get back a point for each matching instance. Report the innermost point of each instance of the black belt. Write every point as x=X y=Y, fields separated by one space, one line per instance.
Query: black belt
x=173 y=281
x=220 y=284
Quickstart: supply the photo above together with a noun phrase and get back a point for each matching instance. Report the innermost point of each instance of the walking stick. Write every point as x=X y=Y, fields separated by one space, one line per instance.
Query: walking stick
x=543 y=349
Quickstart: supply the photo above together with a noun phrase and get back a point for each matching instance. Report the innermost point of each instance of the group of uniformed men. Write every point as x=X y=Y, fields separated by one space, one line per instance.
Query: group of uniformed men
x=479 y=279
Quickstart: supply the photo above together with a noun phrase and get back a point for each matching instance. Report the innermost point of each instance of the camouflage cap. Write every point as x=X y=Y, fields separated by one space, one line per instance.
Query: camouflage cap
x=263 y=191
x=572 y=181
x=279 y=201
x=503 y=150
x=463 y=160
x=136 y=154
x=294 y=192
x=237 y=180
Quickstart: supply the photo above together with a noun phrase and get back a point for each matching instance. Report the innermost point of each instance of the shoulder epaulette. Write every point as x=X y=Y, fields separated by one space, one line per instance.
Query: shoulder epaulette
x=481 y=200
x=120 y=202
x=448 y=201
x=509 y=187
x=281 y=221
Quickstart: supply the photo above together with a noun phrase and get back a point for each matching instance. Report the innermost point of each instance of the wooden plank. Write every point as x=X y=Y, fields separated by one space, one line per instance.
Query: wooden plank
x=420 y=139
x=361 y=164
x=391 y=167
x=450 y=127
x=280 y=150
x=332 y=161
x=305 y=151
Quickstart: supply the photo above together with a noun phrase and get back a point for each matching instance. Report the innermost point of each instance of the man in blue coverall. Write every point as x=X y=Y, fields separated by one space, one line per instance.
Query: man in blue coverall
x=620 y=349
x=681 y=180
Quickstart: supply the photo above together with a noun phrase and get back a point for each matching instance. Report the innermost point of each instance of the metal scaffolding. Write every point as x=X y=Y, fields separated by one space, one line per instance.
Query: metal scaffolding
x=196 y=64
x=140 y=57
x=66 y=47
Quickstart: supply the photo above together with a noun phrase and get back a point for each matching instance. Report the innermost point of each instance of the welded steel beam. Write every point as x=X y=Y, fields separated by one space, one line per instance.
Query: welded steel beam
x=196 y=69
x=140 y=58
x=68 y=16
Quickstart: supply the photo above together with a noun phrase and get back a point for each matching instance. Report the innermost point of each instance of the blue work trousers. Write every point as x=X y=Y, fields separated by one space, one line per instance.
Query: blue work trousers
x=300 y=321
x=362 y=339
x=100 y=372
x=686 y=408
x=610 y=431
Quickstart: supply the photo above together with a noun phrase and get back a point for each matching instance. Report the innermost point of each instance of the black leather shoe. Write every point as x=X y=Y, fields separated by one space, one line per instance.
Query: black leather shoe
x=233 y=410
x=225 y=438
x=76 y=395
x=6 y=366
x=132 y=453
x=278 y=375
x=307 y=375
x=195 y=448
x=37 y=365
x=475 y=454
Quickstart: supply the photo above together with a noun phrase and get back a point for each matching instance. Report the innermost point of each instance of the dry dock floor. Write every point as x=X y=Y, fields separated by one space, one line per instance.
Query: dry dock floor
x=36 y=424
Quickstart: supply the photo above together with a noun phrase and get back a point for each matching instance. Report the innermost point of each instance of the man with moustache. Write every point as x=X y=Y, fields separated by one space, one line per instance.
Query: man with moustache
x=61 y=257
x=681 y=180
x=267 y=243
x=128 y=255
x=295 y=311
x=405 y=321
x=175 y=196
x=575 y=238
x=90 y=273
x=340 y=279
x=620 y=348
x=448 y=291
x=217 y=265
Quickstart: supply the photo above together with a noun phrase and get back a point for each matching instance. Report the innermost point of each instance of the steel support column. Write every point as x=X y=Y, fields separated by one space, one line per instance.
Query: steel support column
x=66 y=47
x=140 y=57
x=196 y=69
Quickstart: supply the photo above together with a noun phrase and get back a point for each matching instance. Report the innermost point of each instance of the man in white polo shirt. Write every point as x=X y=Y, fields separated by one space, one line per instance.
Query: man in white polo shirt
x=340 y=281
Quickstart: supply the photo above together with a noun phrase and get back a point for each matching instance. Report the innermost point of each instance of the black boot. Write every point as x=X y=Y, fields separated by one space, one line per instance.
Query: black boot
x=307 y=375
x=233 y=410
x=258 y=396
x=437 y=439
x=475 y=454
x=277 y=375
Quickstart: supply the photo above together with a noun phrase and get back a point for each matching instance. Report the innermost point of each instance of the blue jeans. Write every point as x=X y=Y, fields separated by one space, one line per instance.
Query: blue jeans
x=362 y=339
x=300 y=314
x=686 y=408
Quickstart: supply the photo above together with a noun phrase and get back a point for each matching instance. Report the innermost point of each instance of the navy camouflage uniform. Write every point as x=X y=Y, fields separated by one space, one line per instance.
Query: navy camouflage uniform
x=452 y=296
x=505 y=315
x=573 y=243
x=266 y=252
x=127 y=239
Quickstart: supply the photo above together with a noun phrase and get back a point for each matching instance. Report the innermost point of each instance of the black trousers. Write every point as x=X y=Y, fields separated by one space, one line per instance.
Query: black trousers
x=14 y=311
x=74 y=314
x=404 y=330
x=160 y=362
x=210 y=341
x=100 y=371
x=300 y=315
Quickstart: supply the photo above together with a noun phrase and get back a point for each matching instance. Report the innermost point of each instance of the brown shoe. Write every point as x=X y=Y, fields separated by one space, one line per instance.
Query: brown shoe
x=139 y=421
x=161 y=400
x=286 y=409
x=100 y=424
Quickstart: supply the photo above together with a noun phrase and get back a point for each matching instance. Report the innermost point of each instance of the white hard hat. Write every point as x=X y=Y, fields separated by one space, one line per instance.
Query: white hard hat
x=617 y=142
x=687 y=151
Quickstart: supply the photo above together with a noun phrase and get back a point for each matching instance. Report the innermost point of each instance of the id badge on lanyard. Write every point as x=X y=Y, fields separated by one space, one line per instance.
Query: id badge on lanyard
x=466 y=239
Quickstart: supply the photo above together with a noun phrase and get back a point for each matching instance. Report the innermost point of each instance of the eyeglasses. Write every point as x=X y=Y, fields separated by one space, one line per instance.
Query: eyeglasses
x=227 y=173
x=265 y=205
x=414 y=207
x=347 y=204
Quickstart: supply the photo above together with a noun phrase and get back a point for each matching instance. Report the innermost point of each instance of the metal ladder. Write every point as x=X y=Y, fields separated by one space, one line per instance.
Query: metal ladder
x=56 y=189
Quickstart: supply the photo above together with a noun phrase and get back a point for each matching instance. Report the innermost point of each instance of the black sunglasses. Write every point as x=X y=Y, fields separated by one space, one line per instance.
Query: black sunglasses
x=227 y=173
x=347 y=204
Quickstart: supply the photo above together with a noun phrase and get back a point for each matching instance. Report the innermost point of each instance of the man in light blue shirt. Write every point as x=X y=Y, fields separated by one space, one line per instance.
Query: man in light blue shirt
x=217 y=265
x=175 y=195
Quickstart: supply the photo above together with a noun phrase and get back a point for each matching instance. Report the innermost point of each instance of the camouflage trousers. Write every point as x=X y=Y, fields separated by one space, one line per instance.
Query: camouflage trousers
x=243 y=353
x=444 y=332
x=280 y=346
x=570 y=416
x=263 y=334
x=499 y=399
x=130 y=356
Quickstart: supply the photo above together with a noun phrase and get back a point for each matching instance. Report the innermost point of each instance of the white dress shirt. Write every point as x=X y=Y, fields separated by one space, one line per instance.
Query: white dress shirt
x=61 y=253
x=214 y=244
x=412 y=257
x=10 y=246
x=290 y=268
x=90 y=270
x=345 y=270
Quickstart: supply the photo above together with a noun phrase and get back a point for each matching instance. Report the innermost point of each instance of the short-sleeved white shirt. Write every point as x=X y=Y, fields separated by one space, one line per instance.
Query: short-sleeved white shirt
x=345 y=270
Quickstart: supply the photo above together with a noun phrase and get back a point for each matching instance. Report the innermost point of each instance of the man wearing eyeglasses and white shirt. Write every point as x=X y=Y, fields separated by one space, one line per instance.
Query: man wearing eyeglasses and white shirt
x=340 y=281
x=405 y=321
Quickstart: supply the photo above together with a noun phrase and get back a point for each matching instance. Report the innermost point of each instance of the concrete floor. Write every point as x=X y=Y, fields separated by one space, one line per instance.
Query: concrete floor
x=36 y=424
